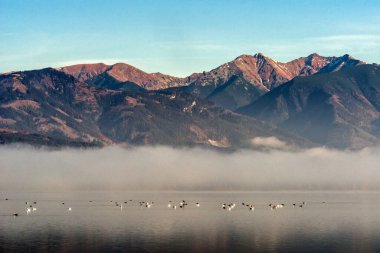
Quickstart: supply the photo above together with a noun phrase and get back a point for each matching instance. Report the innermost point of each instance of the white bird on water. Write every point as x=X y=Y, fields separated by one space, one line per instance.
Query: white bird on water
x=69 y=209
x=276 y=206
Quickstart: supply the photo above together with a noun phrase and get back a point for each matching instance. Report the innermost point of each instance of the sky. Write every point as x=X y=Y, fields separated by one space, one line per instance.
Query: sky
x=182 y=37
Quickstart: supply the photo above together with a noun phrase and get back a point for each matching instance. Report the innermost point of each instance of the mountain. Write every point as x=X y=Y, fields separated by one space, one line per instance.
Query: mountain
x=331 y=101
x=248 y=77
x=120 y=76
x=231 y=85
x=341 y=62
x=339 y=109
x=83 y=72
x=49 y=103
x=51 y=107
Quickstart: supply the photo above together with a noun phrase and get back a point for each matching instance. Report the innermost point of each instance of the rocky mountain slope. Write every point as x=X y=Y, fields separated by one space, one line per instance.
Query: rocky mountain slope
x=120 y=76
x=331 y=101
x=245 y=79
x=339 y=109
x=231 y=85
x=50 y=107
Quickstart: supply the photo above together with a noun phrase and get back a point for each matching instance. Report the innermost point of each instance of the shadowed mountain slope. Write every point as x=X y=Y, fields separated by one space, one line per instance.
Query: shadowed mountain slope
x=52 y=107
x=339 y=109
x=231 y=85
x=245 y=79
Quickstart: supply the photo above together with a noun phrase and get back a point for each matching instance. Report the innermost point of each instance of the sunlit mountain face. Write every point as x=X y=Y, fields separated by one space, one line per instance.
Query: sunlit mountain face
x=49 y=106
x=309 y=101
x=231 y=85
x=339 y=109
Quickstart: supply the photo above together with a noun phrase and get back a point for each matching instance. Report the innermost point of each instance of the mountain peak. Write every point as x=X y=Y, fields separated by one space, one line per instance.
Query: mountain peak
x=260 y=55
x=88 y=65
x=122 y=65
x=348 y=57
x=243 y=56
x=338 y=63
x=313 y=55
x=83 y=72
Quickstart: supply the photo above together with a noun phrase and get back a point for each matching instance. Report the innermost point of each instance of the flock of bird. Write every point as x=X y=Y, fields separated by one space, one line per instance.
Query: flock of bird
x=31 y=207
x=181 y=204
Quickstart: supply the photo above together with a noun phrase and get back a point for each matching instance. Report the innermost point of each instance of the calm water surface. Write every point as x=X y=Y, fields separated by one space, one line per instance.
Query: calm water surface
x=328 y=222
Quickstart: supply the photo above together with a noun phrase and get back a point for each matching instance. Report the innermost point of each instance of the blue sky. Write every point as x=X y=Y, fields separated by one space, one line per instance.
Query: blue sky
x=182 y=37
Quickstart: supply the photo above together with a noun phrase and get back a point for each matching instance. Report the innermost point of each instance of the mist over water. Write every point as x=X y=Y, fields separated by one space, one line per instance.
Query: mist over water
x=91 y=181
x=166 y=168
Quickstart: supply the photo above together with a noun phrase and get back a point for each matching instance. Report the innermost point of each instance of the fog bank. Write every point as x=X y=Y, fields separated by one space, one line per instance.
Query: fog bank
x=165 y=168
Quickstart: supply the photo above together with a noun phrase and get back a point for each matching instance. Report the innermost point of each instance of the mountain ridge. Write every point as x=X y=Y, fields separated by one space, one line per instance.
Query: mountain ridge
x=316 y=99
x=120 y=73
x=51 y=107
x=257 y=74
x=339 y=109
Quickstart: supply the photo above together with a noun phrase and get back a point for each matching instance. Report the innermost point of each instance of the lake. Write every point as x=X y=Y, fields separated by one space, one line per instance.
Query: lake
x=327 y=222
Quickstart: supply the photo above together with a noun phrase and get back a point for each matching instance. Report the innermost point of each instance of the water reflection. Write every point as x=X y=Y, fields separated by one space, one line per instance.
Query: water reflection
x=346 y=222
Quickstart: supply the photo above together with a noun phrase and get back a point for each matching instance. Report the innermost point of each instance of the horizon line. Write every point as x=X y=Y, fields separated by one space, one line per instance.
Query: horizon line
x=112 y=62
